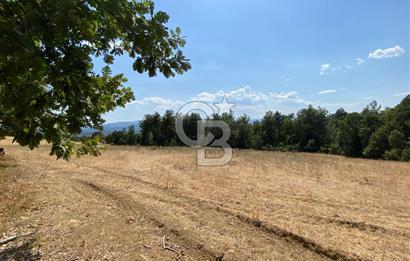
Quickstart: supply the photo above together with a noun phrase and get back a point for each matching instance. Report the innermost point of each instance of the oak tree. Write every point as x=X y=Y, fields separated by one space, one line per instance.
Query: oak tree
x=49 y=88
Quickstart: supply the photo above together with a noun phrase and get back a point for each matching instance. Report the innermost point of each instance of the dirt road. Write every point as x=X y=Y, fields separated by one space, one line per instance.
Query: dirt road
x=156 y=204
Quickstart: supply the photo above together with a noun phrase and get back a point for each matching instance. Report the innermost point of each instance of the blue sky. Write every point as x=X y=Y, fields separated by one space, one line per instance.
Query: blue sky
x=280 y=55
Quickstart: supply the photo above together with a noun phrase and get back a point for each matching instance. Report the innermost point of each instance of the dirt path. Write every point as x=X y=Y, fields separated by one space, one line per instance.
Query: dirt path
x=106 y=209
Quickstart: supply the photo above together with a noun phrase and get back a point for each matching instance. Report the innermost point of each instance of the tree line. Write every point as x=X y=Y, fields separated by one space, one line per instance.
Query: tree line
x=372 y=133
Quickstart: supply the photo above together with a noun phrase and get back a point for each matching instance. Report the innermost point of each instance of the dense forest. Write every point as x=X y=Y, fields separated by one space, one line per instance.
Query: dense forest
x=373 y=133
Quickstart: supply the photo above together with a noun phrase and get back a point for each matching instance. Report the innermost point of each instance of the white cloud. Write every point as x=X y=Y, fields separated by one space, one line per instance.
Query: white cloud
x=247 y=100
x=246 y=95
x=355 y=105
x=256 y=103
x=283 y=95
x=158 y=102
x=242 y=94
x=360 y=61
x=401 y=94
x=287 y=80
x=327 y=91
x=395 y=51
x=205 y=96
x=325 y=68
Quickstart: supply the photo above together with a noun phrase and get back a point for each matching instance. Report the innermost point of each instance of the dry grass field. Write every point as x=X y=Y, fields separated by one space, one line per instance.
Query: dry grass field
x=135 y=203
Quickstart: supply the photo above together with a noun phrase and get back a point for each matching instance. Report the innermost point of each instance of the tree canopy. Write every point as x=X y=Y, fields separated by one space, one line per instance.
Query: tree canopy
x=48 y=86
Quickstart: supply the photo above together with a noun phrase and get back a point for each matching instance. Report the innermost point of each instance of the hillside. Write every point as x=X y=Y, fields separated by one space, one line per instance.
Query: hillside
x=111 y=127
x=156 y=204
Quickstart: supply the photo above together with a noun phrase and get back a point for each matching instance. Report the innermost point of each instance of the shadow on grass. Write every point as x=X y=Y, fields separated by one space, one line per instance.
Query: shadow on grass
x=20 y=252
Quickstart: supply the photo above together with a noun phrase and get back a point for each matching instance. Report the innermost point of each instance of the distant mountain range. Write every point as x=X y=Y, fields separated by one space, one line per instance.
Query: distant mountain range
x=111 y=127
x=119 y=126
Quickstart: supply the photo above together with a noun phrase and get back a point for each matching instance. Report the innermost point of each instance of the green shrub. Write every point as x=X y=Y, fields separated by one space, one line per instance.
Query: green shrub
x=393 y=154
x=405 y=154
x=396 y=140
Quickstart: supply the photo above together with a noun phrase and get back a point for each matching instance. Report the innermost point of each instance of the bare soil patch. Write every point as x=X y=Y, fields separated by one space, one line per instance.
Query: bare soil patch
x=155 y=203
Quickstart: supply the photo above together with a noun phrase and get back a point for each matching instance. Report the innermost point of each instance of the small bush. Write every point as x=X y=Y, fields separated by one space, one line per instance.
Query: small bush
x=405 y=155
x=392 y=154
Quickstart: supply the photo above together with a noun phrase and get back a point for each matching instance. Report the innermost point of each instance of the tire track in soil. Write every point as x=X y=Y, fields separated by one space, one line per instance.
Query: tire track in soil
x=189 y=239
x=271 y=230
x=362 y=226
x=198 y=250
x=268 y=229
x=133 y=207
